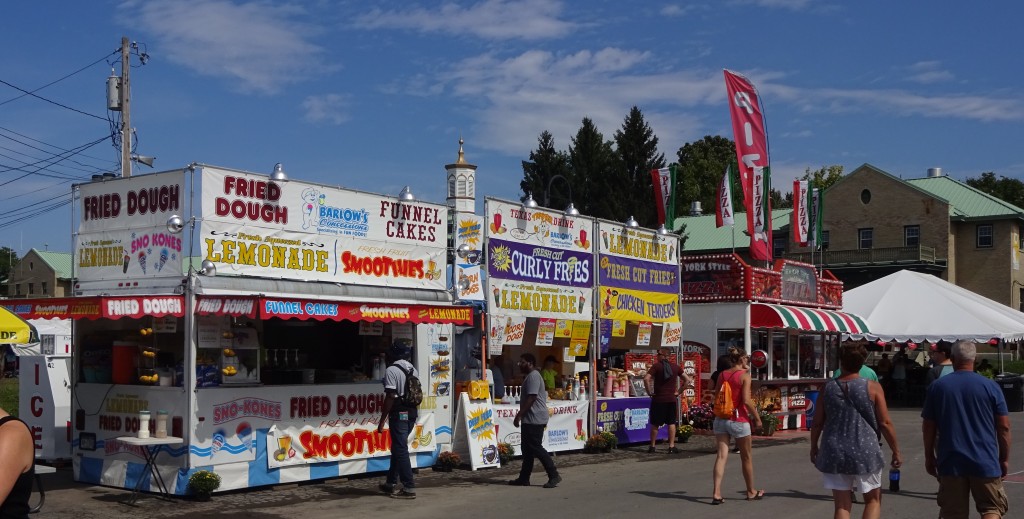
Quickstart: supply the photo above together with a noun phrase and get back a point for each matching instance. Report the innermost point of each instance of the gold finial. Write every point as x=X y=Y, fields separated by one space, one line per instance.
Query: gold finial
x=462 y=155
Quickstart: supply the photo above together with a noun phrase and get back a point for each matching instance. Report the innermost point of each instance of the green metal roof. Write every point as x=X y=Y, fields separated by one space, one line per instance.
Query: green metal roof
x=702 y=235
x=966 y=201
x=60 y=262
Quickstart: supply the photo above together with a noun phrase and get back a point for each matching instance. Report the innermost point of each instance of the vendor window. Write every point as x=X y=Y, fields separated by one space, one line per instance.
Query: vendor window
x=778 y=352
x=812 y=356
x=729 y=339
x=984 y=236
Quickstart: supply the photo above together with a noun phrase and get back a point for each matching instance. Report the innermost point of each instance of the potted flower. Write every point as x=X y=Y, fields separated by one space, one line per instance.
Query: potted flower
x=683 y=432
x=610 y=439
x=597 y=443
x=505 y=452
x=448 y=460
x=202 y=483
x=769 y=422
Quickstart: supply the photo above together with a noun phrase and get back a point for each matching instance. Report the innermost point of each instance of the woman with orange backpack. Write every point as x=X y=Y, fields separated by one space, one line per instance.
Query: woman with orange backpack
x=734 y=411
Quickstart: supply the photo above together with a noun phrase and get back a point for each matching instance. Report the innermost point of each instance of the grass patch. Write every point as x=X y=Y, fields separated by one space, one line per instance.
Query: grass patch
x=9 y=395
x=1013 y=366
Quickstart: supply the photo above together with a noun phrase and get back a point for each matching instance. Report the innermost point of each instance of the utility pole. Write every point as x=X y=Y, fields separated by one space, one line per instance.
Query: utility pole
x=126 y=127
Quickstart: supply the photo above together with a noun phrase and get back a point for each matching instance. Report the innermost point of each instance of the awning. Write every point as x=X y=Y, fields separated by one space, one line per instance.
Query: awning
x=327 y=310
x=13 y=329
x=810 y=319
x=96 y=307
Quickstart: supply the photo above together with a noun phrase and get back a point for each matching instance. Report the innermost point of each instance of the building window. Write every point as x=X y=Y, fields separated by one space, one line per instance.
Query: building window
x=17 y=289
x=984 y=236
x=824 y=240
x=44 y=287
x=779 y=246
x=460 y=190
x=865 y=238
x=911 y=235
x=451 y=185
x=31 y=288
x=865 y=197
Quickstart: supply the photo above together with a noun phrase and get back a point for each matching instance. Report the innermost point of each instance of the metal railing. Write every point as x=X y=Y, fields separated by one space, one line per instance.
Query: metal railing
x=884 y=255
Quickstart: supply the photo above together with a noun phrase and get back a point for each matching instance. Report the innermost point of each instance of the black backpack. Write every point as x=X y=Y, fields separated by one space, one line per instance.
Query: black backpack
x=413 y=395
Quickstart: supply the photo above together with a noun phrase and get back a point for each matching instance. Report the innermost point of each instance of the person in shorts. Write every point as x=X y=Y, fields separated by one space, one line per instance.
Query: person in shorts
x=737 y=428
x=662 y=382
x=849 y=419
x=966 y=433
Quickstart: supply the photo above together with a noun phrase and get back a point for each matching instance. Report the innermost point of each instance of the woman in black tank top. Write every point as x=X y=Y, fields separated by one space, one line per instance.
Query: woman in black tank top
x=17 y=456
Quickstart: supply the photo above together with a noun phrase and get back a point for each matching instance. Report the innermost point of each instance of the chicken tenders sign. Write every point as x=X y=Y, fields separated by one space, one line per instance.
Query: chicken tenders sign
x=254 y=227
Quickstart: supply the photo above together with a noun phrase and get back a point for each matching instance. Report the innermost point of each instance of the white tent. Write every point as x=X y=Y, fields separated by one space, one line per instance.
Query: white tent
x=910 y=306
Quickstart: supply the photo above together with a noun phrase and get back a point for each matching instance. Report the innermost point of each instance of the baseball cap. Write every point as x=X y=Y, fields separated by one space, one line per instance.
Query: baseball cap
x=401 y=348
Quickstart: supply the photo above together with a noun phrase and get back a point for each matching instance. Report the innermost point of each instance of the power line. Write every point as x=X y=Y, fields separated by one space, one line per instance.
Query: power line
x=104 y=58
x=41 y=98
x=23 y=136
x=61 y=157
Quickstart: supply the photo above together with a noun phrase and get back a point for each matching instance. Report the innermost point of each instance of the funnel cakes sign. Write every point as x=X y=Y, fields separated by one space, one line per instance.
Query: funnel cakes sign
x=254 y=227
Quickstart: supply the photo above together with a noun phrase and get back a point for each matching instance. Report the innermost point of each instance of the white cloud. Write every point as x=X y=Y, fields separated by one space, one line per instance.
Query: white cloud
x=794 y=5
x=927 y=72
x=328 y=108
x=490 y=19
x=676 y=10
x=255 y=46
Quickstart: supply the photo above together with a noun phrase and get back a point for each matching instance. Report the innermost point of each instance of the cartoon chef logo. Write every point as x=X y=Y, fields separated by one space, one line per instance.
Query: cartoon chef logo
x=310 y=211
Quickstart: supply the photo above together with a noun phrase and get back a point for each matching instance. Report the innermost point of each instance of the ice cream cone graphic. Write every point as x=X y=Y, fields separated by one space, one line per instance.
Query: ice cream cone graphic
x=244 y=433
x=142 y=260
x=218 y=442
x=163 y=259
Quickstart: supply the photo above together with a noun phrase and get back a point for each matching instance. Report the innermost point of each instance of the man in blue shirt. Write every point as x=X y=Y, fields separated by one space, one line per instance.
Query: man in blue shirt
x=967 y=439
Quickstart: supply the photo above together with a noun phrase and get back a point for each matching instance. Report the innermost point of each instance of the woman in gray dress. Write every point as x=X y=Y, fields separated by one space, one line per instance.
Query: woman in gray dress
x=850 y=419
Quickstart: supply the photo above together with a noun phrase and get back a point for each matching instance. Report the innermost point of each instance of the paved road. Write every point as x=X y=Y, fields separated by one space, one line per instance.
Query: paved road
x=618 y=484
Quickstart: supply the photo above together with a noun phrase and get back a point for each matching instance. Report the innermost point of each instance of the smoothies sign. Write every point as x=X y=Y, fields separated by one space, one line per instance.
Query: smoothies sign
x=638 y=275
x=467 y=279
x=297 y=230
x=123 y=232
x=539 y=263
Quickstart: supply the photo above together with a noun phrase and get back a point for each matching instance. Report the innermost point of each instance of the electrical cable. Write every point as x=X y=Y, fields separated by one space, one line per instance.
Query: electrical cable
x=8 y=130
x=73 y=151
x=41 y=98
x=104 y=58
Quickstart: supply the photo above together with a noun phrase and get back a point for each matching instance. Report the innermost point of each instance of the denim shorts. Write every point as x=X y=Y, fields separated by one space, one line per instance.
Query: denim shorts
x=732 y=428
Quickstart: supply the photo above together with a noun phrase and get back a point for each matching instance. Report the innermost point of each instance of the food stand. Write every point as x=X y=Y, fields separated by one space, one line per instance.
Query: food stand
x=638 y=312
x=540 y=276
x=788 y=315
x=267 y=358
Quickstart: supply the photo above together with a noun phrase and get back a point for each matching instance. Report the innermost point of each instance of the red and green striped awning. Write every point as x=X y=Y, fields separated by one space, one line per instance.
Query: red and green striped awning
x=764 y=315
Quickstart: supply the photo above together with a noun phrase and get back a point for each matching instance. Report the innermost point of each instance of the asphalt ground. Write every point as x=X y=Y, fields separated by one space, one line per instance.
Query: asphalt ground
x=619 y=483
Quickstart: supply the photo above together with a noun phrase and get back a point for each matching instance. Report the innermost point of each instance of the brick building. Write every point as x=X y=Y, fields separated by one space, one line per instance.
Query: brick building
x=41 y=274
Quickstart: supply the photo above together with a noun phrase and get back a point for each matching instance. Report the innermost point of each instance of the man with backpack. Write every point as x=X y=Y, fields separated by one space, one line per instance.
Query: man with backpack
x=402 y=395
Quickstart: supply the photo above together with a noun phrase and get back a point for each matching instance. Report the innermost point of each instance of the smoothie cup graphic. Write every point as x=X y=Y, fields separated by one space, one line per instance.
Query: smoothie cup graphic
x=604 y=238
x=496 y=294
x=417 y=431
x=583 y=300
x=579 y=428
x=583 y=238
x=127 y=259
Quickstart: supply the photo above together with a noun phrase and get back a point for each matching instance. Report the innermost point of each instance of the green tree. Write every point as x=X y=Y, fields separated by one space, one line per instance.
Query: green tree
x=545 y=162
x=8 y=260
x=593 y=165
x=1006 y=189
x=636 y=147
x=824 y=177
x=701 y=166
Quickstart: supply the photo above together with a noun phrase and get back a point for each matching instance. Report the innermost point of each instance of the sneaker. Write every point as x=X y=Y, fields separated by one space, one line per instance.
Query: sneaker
x=404 y=494
x=673 y=450
x=387 y=489
x=553 y=482
x=650 y=450
x=519 y=483
x=736 y=450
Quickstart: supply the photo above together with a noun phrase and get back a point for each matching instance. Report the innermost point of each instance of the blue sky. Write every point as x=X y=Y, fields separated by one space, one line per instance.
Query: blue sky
x=375 y=95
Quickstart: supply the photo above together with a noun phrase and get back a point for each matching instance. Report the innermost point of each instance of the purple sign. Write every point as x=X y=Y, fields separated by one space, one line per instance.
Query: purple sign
x=633 y=274
x=628 y=418
x=537 y=264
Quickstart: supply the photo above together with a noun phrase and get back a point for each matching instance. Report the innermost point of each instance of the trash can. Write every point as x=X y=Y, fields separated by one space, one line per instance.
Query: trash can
x=1013 y=390
x=812 y=401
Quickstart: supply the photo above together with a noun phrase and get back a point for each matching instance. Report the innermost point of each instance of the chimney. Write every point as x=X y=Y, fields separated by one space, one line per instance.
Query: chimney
x=695 y=209
x=934 y=172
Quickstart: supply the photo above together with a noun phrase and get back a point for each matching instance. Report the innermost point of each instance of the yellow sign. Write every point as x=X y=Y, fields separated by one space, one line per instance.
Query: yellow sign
x=618 y=328
x=13 y=329
x=638 y=305
x=563 y=329
x=580 y=338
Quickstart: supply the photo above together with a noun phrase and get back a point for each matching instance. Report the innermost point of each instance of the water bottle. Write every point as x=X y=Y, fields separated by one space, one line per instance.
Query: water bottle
x=894 y=480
